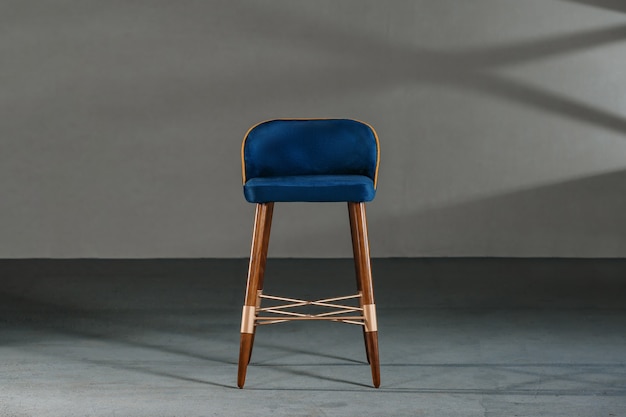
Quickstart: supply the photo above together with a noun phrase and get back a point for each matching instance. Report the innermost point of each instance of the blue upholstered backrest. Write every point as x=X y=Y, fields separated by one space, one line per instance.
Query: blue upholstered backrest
x=278 y=148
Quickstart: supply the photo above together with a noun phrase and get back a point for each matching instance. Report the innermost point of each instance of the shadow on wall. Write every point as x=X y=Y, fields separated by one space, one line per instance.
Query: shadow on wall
x=569 y=219
x=574 y=218
x=402 y=64
x=152 y=120
x=617 y=5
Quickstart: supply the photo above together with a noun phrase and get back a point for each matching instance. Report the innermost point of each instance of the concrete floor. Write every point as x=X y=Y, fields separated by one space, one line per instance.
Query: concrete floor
x=458 y=337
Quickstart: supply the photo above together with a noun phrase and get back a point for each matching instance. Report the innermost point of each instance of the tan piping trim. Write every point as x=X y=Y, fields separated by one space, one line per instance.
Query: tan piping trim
x=243 y=143
x=377 y=149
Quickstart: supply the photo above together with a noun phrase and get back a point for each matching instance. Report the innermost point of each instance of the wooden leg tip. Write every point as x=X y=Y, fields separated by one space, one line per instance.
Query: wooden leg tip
x=372 y=350
x=244 y=357
x=241 y=377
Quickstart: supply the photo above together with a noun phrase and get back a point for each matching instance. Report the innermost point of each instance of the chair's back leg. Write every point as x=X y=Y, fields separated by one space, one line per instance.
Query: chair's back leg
x=360 y=242
x=256 y=274
x=352 y=211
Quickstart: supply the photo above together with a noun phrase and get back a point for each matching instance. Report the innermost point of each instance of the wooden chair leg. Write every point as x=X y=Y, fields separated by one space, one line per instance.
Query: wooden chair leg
x=360 y=240
x=263 y=260
x=256 y=274
x=352 y=208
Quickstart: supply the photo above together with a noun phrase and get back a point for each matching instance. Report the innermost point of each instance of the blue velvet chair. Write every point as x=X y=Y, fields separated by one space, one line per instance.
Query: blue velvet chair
x=311 y=160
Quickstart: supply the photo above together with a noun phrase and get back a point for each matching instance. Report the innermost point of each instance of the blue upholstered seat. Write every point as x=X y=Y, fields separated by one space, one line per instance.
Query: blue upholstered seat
x=310 y=188
x=318 y=160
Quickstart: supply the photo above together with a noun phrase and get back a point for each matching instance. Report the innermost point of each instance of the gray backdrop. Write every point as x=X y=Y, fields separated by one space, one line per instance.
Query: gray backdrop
x=502 y=124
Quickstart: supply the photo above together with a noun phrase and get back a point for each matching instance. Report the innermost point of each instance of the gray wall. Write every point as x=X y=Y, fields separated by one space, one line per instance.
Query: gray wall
x=502 y=124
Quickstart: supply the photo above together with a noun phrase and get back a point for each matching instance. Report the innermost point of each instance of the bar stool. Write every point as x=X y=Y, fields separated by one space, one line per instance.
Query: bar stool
x=309 y=160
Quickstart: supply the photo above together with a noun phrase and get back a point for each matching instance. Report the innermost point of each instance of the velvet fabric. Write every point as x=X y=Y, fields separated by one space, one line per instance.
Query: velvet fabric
x=313 y=188
x=310 y=160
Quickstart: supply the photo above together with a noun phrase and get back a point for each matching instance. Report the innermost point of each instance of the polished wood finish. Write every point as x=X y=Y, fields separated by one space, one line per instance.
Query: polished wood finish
x=258 y=252
x=362 y=259
x=245 y=351
x=352 y=208
x=361 y=250
x=265 y=244
x=356 y=255
x=371 y=340
x=267 y=227
x=256 y=276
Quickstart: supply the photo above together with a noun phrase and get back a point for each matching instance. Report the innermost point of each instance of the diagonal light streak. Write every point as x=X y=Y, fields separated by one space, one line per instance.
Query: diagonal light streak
x=368 y=62
x=538 y=98
x=302 y=31
x=616 y=5
x=546 y=47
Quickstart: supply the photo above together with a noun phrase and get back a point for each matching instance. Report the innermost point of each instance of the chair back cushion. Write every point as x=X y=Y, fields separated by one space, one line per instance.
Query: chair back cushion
x=285 y=148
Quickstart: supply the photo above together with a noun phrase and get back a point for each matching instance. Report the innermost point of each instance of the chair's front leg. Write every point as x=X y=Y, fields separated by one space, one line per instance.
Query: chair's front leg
x=360 y=241
x=256 y=273
x=352 y=212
